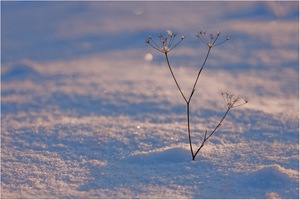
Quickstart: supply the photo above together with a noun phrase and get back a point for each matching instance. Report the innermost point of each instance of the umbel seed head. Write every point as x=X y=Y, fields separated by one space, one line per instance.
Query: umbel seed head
x=232 y=101
x=211 y=40
x=166 y=42
x=170 y=33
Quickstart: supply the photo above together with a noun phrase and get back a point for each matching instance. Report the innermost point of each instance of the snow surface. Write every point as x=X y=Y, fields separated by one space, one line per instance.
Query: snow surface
x=99 y=127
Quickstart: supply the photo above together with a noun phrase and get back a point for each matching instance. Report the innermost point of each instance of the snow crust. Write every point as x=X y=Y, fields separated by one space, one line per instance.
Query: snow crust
x=95 y=128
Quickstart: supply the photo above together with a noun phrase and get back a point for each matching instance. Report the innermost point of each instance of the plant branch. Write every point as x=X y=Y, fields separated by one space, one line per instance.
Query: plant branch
x=198 y=75
x=189 y=129
x=207 y=137
x=166 y=54
x=189 y=100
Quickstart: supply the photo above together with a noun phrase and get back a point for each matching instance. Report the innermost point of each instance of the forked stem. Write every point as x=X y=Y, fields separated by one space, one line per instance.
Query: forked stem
x=187 y=101
x=166 y=46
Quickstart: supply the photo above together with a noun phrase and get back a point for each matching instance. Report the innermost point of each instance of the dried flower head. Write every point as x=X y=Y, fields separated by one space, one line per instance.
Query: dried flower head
x=166 y=42
x=210 y=40
x=170 y=33
x=232 y=101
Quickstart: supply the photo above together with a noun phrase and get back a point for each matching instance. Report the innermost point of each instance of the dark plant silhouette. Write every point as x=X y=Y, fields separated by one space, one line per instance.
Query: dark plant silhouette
x=167 y=43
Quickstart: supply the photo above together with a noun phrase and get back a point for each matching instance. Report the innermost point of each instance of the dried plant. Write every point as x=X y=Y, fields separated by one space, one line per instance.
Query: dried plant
x=167 y=43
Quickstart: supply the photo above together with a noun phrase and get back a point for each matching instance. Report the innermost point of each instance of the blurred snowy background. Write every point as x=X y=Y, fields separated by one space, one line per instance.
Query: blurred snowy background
x=86 y=114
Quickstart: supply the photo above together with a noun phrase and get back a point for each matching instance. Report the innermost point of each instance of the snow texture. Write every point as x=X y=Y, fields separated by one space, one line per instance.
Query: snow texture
x=79 y=129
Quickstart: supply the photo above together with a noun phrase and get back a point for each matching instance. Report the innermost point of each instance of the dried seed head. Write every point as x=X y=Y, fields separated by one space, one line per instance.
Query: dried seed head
x=211 y=40
x=166 y=42
x=232 y=101
x=165 y=49
x=170 y=33
x=148 y=39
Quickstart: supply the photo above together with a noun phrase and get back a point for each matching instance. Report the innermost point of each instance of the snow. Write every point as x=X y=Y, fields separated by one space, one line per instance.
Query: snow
x=98 y=127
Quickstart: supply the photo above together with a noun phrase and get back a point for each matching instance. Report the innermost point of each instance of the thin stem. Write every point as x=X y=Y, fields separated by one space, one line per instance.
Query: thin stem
x=215 y=40
x=155 y=46
x=175 y=78
x=189 y=130
x=202 y=38
x=177 y=43
x=219 y=123
x=198 y=75
x=172 y=38
x=206 y=138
